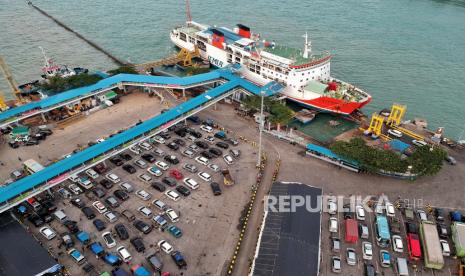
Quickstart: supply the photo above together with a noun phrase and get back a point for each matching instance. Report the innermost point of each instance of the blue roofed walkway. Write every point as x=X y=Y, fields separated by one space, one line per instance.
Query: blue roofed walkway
x=24 y=188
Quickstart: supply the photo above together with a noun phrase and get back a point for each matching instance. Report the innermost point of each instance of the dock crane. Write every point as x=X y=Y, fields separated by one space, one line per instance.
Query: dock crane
x=11 y=82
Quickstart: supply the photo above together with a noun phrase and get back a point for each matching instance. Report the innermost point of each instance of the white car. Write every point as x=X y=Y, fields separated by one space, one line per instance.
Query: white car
x=360 y=212
x=75 y=189
x=206 y=128
x=173 y=195
x=74 y=178
x=367 y=249
x=191 y=183
x=107 y=237
x=110 y=216
x=332 y=206
x=397 y=244
x=205 y=176
x=202 y=160
x=145 y=211
x=155 y=171
x=379 y=209
x=189 y=153
x=390 y=210
x=159 y=204
x=419 y=143
x=214 y=167
x=143 y=195
x=141 y=164
x=113 y=177
x=422 y=215
x=145 y=177
x=445 y=247
x=210 y=139
x=100 y=140
x=159 y=152
x=135 y=150
x=172 y=215
x=92 y=174
x=162 y=165
x=145 y=146
x=333 y=225
x=194 y=147
x=228 y=159
x=165 y=246
x=86 y=183
x=48 y=232
x=191 y=138
x=159 y=139
x=100 y=207
x=126 y=187
x=395 y=133
x=124 y=254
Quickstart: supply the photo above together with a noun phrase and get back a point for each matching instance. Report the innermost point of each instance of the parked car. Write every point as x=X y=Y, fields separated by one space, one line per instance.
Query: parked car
x=111 y=216
x=124 y=254
x=169 y=181
x=140 y=163
x=88 y=212
x=142 y=194
x=128 y=215
x=106 y=184
x=336 y=264
x=335 y=244
x=172 y=215
x=172 y=159
x=385 y=258
x=99 y=207
x=107 y=237
x=125 y=156
x=443 y=231
x=76 y=256
x=158 y=186
x=154 y=170
x=165 y=246
x=367 y=250
x=445 y=247
x=142 y=226
x=160 y=221
x=148 y=157
x=176 y=174
x=145 y=177
x=205 y=176
x=175 y=231
x=138 y=244
x=178 y=258
x=333 y=225
x=159 y=204
x=162 y=165
x=116 y=161
x=190 y=168
x=360 y=212
x=121 y=231
x=127 y=187
x=121 y=195
x=172 y=195
x=397 y=244
x=113 y=177
x=48 y=232
x=146 y=212
x=129 y=168
x=395 y=133
x=183 y=190
x=351 y=256
x=99 y=224
x=215 y=188
x=77 y=202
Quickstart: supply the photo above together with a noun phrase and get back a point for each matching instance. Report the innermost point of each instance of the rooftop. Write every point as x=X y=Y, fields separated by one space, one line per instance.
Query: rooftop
x=290 y=241
x=20 y=254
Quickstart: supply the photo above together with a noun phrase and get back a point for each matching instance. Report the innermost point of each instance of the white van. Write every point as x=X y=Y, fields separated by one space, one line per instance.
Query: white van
x=74 y=178
x=172 y=215
x=124 y=254
x=60 y=215
x=191 y=183
x=402 y=267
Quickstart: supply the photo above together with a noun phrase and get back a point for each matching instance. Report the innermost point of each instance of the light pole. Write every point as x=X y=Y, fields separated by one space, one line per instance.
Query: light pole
x=259 y=159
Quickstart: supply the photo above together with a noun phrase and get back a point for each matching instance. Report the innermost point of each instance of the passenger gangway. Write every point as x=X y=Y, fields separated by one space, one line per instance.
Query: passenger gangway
x=29 y=186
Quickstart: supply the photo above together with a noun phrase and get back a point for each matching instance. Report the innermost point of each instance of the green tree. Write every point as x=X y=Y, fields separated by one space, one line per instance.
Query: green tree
x=280 y=114
x=59 y=84
x=125 y=69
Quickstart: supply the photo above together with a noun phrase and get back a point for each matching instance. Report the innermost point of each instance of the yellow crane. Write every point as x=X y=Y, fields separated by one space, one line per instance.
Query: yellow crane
x=3 y=105
x=11 y=81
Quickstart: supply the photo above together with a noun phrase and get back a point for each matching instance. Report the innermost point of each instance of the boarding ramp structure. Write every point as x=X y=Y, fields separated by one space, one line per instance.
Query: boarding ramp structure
x=29 y=186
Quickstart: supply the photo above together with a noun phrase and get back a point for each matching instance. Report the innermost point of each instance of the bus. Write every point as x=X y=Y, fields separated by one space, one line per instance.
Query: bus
x=31 y=166
x=383 y=235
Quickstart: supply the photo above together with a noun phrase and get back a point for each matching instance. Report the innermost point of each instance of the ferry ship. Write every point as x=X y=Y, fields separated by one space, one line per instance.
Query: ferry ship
x=304 y=75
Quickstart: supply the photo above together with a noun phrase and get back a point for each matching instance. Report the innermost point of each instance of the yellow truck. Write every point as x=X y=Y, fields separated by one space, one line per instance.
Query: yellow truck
x=227 y=179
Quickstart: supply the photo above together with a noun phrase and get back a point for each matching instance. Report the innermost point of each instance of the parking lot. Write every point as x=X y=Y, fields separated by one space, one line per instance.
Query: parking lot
x=415 y=267
x=208 y=223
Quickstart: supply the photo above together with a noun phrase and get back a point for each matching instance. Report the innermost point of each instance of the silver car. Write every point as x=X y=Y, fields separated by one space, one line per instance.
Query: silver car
x=351 y=256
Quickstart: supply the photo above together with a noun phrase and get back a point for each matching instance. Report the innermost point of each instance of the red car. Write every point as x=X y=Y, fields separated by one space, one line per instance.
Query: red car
x=176 y=174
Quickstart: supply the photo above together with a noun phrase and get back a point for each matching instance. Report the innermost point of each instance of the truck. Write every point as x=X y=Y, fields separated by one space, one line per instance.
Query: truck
x=458 y=236
x=227 y=179
x=432 y=251
x=351 y=231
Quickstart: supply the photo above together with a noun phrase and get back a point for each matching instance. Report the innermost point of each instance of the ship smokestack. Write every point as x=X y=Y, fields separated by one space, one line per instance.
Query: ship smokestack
x=307 y=46
x=218 y=39
x=243 y=31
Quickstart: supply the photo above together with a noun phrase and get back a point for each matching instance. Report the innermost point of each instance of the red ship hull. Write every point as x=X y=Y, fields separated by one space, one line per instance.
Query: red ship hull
x=332 y=105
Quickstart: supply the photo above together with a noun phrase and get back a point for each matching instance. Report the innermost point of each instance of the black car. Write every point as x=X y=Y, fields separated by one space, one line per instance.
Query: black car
x=121 y=231
x=194 y=119
x=98 y=192
x=196 y=134
x=142 y=226
x=172 y=159
x=46 y=132
x=178 y=258
x=148 y=157
x=165 y=135
x=232 y=141
x=67 y=241
x=222 y=145
x=72 y=226
x=99 y=224
x=347 y=212
x=207 y=154
x=439 y=214
x=107 y=184
x=121 y=195
x=173 y=146
x=169 y=181
x=31 y=142
x=125 y=156
x=411 y=228
x=180 y=142
x=13 y=144
x=216 y=152
x=117 y=161
x=183 y=190
x=36 y=220
x=215 y=188
x=44 y=214
x=129 y=168
x=138 y=244
x=180 y=132
x=201 y=144
x=49 y=206
x=158 y=186
x=88 y=212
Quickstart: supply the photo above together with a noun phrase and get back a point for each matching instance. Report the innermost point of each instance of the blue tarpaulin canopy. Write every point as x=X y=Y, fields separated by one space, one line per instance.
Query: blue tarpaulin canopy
x=398 y=145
